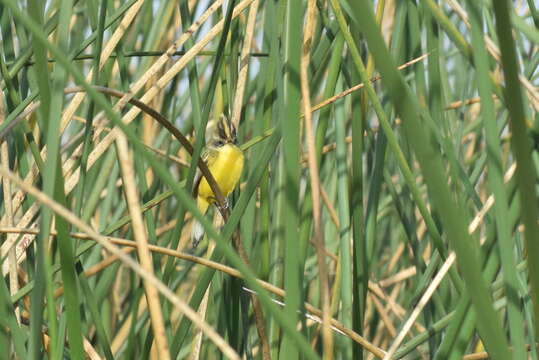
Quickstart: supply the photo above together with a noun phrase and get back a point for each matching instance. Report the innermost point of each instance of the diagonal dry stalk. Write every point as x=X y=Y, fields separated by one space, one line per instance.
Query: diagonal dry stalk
x=421 y=305
x=109 y=47
x=472 y=227
x=533 y=93
x=360 y=86
x=68 y=113
x=144 y=254
x=104 y=144
x=244 y=63
x=21 y=247
x=8 y=219
x=197 y=339
x=130 y=245
x=70 y=110
x=60 y=210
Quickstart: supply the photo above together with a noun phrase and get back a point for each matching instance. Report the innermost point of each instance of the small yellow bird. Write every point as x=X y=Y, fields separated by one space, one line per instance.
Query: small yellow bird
x=225 y=162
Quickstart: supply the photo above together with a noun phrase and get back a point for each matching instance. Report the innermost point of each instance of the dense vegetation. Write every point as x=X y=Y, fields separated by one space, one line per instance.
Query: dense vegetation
x=387 y=208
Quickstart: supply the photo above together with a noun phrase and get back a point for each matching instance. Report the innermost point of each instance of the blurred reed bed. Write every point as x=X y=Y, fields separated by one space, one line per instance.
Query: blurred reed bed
x=387 y=208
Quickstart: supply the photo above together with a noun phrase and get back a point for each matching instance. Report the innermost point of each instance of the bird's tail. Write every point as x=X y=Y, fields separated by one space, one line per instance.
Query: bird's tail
x=197 y=231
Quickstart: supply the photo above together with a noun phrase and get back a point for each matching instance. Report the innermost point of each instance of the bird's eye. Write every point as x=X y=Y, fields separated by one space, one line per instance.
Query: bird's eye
x=219 y=143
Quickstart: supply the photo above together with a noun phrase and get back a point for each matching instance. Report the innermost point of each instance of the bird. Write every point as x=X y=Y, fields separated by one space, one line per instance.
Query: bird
x=225 y=161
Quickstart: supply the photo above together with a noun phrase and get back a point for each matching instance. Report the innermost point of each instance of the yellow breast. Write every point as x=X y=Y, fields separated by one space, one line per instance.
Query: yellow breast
x=226 y=168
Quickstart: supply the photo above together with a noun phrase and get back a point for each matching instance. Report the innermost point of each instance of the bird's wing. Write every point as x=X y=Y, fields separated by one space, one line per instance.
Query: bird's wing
x=208 y=156
x=196 y=182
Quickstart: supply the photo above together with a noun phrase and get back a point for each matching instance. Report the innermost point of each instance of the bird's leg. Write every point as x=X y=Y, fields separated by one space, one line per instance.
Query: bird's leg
x=224 y=206
x=218 y=205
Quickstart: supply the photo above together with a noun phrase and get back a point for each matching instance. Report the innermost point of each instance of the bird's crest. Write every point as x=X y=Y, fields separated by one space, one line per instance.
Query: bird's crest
x=226 y=130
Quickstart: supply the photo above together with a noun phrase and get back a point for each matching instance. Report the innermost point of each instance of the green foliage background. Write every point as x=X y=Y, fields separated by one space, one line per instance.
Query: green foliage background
x=378 y=220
